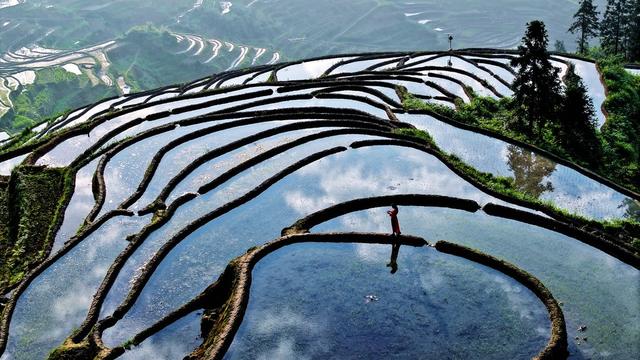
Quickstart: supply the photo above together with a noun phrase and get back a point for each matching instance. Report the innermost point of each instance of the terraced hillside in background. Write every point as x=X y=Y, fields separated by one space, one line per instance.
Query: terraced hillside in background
x=57 y=55
x=37 y=82
x=242 y=215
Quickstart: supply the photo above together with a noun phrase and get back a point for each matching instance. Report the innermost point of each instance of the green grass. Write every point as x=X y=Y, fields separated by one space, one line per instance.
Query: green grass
x=621 y=132
x=29 y=206
x=619 y=163
x=627 y=228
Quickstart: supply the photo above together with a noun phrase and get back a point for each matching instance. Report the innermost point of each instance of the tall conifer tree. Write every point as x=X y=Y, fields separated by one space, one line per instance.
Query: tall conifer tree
x=612 y=28
x=536 y=86
x=586 y=24
x=632 y=30
x=576 y=126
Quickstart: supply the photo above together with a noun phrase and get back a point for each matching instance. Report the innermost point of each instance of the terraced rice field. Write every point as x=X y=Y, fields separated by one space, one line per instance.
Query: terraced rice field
x=243 y=216
x=19 y=67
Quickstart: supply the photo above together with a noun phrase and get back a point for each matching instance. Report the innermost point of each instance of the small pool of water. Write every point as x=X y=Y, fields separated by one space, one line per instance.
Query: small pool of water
x=308 y=69
x=173 y=342
x=362 y=65
x=7 y=166
x=309 y=301
x=79 y=206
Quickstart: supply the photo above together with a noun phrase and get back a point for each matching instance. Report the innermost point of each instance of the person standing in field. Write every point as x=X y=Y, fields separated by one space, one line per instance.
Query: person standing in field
x=395 y=226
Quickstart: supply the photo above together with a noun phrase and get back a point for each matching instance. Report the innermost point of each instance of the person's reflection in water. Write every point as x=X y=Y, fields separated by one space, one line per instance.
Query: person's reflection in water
x=395 y=247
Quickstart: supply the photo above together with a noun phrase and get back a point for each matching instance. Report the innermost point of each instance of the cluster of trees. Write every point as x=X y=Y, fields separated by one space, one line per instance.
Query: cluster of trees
x=543 y=108
x=562 y=117
x=618 y=31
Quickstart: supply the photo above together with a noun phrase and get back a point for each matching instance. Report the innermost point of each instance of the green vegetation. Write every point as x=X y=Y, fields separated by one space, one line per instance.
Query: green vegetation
x=54 y=91
x=620 y=134
x=616 y=138
x=586 y=24
x=422 y=135
x=619 y=29
x=148 y=58
x=29 y=205
x=560 y=121
x=626 y=229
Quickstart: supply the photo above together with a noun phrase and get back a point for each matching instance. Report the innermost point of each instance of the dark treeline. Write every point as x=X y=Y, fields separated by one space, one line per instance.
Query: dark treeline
x=562 y=118
x=618 y=30
x=547 y=112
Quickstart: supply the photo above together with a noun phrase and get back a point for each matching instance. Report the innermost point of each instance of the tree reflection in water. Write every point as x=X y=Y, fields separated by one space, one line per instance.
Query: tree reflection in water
x=529 y=171
x=633 y=209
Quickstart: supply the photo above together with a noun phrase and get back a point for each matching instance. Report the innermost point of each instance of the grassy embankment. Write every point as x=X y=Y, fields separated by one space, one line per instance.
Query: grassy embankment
x=490 y=114
x=31 y=203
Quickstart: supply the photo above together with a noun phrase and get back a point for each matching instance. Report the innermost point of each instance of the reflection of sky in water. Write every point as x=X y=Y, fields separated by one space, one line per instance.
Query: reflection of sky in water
x=308 y=69
x=86 y=116
x=458 y=63
x=197 y=261
x=240 y=183
x=64 y=153
x=500 y=71
x=363 y=65
x=308 y=302
x=197 y=266
x=448 y=85
x=126 y=169
x=334 y=103
x=79 y=206
x=419 y=88
x=364 y=94
x=597 y=290
x=218 y=166
x=173 y=342
x=8 y=165
x=389 y=92
x=260 y=78
x=57 y=301
x=238 y=80
x=184 y=154
x=572 y=190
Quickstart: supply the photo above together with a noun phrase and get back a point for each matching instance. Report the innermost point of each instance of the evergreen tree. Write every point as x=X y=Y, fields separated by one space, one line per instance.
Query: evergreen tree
x=612 y=28
x=576 y=129
x=536 y=86
x=632 y=31
x=586 y=24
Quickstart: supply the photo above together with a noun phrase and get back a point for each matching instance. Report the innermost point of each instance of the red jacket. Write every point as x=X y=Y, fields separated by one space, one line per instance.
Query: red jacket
x=395 y=226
